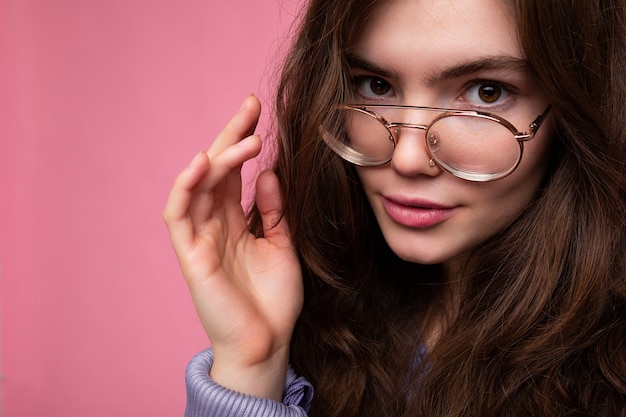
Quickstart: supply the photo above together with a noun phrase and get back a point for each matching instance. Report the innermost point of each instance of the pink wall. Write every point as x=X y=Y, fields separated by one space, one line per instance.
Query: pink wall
x=102 y=102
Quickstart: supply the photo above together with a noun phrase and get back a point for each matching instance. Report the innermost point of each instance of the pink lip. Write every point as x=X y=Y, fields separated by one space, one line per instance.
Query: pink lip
x=416 y=213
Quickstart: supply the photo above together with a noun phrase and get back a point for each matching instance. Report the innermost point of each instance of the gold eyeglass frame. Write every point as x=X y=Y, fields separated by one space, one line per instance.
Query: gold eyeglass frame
x=394 y=128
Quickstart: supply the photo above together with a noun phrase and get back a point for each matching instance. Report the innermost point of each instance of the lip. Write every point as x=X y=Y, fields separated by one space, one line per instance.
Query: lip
x=416 y=213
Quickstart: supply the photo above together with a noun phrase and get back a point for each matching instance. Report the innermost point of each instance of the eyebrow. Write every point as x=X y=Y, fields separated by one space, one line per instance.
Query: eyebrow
x=358 y=62
x=490 y=62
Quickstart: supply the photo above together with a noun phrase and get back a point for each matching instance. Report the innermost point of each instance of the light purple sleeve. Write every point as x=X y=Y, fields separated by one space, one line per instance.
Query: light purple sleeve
x=205 y=398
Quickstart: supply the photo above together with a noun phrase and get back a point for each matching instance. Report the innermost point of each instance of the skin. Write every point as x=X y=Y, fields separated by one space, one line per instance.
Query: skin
x=470 y=212
x=247 y=291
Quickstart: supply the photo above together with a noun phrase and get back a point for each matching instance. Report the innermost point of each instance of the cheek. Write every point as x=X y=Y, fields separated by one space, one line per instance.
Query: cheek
x=370 y=177
x=510 y=196
x=500 y=206
x=527 y=178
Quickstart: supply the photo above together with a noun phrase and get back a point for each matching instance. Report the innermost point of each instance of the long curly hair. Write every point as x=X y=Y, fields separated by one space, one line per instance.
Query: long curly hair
x=541 y=326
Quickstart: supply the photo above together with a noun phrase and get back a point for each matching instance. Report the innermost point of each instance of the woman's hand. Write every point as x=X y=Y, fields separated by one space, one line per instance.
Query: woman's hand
x=247 y=291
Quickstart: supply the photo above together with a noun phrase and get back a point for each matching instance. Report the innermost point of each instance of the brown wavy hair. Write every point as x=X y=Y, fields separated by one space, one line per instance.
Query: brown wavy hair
x=540 y=328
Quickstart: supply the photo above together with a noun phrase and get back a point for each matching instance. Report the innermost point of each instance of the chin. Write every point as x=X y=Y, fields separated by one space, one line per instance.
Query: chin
x=421 y=257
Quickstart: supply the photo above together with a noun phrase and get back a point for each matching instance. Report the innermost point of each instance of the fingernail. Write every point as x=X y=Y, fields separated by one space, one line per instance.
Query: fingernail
x=196 y=158
x=243 y=105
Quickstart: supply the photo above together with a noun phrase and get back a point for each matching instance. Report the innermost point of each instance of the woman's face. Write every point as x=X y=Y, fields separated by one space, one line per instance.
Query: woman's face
x=453 y=54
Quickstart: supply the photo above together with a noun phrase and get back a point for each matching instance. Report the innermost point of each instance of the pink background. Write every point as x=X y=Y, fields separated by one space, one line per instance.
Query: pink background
x=102 y=103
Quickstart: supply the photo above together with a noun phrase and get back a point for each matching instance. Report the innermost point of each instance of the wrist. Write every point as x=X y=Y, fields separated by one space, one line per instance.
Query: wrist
x=263 y=377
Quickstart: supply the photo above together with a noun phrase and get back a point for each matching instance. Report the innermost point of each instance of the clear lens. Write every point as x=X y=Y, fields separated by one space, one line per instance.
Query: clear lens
x=473 y=147
x=359 y=137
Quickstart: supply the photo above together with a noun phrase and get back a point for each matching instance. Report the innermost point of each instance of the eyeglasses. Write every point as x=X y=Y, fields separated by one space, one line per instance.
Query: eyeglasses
x=471 y=145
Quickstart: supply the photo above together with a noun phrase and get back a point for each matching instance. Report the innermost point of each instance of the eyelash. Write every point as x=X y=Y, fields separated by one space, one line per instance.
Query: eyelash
x=358 y=81
x=509 y=92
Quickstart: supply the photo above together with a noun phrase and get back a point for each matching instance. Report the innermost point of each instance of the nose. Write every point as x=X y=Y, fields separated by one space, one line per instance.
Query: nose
x=411 y=157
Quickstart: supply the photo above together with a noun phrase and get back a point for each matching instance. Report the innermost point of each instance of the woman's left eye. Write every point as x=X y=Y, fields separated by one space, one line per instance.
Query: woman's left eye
x=486 y=93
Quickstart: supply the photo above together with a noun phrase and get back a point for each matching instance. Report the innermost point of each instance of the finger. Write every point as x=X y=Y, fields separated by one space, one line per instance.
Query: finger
x=240 y=126
x=228 y=162
x=175 y=213
x=270 y=204
x=221 y=186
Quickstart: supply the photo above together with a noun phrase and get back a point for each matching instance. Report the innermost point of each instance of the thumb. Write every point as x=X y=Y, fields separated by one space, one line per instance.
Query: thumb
x=270 y=204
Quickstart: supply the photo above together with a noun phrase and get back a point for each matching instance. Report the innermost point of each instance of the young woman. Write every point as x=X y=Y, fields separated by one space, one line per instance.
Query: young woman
x=443 y=232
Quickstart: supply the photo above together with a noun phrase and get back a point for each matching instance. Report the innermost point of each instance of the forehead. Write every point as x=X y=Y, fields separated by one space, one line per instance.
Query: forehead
x=422 y=31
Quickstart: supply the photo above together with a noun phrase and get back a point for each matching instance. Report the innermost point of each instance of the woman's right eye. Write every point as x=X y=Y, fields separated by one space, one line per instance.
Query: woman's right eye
x=372 y=87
